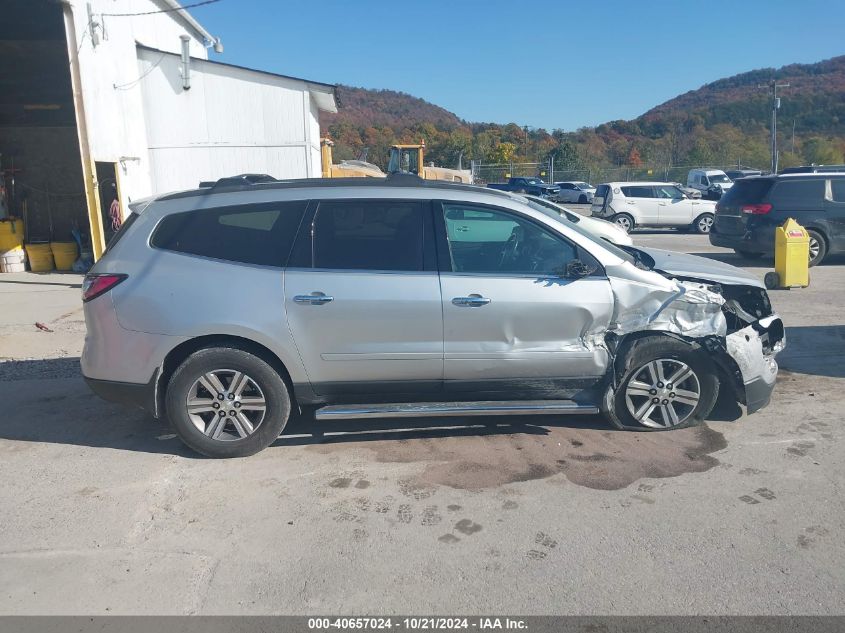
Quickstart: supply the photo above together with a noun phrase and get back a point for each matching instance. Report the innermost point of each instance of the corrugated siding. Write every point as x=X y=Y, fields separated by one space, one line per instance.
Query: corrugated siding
x=231 y=121
x=174 y=169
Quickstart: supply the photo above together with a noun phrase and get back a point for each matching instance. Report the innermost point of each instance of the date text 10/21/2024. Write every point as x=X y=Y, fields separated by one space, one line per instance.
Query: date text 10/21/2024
x=417 y=623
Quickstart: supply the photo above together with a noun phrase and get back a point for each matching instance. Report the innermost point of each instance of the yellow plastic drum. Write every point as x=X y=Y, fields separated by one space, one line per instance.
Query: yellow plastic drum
x=64 y=253
x=40 y=257
x=11 y=234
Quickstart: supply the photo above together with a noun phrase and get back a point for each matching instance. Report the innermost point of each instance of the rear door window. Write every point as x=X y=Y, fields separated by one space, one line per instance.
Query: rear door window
x=638 y=192
x=369 y=235
x=800 y=193
x=251 y=234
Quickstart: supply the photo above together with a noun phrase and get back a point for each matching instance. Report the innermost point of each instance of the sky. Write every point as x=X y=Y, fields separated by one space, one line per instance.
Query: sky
x=563 y=64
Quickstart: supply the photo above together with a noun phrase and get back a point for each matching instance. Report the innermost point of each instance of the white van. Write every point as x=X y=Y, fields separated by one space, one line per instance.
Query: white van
x=633 y=204
x=712 y=183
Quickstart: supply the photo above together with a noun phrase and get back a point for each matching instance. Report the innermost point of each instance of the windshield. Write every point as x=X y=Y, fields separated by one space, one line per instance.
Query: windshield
x=583 y=185
x=718 y=178
x=534 y=181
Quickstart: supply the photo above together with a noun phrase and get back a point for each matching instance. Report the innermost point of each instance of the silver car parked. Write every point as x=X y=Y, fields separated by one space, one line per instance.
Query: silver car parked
x=228 y=307
x=576 y=191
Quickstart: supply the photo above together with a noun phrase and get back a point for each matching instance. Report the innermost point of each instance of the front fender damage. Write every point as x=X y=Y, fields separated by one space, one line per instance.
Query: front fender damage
x=732 y=325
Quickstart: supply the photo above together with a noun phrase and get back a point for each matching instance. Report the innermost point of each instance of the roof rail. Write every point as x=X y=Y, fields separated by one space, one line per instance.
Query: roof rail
x=247 y=182
x=239 y=180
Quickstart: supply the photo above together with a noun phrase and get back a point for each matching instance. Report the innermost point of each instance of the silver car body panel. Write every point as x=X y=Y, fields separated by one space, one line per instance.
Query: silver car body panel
x=377 y=327
x=684 y=265
x=399 y=326
x=532 y=328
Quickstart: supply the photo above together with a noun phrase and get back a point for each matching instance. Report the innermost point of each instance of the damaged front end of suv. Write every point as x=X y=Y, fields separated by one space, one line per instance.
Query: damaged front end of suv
x=719 y=312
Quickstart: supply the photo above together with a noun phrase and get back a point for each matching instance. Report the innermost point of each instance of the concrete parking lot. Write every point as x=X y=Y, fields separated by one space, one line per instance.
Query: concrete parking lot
x=102 y=510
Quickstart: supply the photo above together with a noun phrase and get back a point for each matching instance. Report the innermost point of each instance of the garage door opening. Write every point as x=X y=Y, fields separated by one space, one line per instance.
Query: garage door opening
x=39 y=140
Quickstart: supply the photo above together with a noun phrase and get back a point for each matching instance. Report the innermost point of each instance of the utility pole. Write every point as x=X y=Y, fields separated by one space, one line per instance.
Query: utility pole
x=772 y=87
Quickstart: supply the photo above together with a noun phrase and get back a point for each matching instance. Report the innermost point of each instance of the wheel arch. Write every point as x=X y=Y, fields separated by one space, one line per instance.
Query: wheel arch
x=178 y=354
x=711 y=348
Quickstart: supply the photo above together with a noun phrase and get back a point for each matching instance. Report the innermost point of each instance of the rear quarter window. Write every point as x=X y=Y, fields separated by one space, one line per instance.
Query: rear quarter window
x=798 y=193
x=251 y=234
x=837 y=186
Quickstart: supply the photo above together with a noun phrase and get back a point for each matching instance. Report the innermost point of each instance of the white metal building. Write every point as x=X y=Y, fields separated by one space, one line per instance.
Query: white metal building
x=111 y=99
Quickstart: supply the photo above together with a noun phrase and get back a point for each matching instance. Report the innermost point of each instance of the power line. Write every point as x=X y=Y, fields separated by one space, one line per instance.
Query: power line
x=135 y=82
x=187 y=6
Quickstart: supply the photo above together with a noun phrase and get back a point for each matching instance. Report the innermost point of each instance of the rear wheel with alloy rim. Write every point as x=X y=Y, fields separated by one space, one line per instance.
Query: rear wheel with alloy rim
x=668 y=385
x=227 y=402
x=624 y=221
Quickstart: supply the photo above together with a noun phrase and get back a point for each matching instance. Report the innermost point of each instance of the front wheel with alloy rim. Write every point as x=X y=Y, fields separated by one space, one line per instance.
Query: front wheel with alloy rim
x=703 y=223
x=667 y=385
x=624 y=221
x=226 y=402
x=818 y=247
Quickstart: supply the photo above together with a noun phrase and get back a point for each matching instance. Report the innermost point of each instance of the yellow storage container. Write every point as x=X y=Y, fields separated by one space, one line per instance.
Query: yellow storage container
x=792 y=257
x=40 y=257
x=11 y=234
x=64 y=254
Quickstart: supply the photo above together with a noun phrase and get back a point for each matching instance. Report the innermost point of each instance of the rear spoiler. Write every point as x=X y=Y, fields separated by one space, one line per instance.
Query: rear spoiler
x=138 y=206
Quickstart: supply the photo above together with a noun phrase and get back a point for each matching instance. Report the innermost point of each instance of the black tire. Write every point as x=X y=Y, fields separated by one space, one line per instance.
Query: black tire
x=747 y=254
x=650 y=349
x=265 y=377
x=771 y=280
x=582 y=199
x=818 y=238
x=701 y=225
x=626 y=218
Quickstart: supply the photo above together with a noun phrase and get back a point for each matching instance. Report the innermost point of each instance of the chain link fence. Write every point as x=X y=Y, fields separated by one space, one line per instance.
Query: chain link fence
x=491 y=173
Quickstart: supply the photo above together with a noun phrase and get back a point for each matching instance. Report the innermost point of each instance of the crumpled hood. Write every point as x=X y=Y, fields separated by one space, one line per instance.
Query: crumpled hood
x=685 y=265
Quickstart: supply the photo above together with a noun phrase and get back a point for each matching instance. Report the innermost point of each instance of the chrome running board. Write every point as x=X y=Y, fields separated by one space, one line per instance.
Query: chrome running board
x=448 y=409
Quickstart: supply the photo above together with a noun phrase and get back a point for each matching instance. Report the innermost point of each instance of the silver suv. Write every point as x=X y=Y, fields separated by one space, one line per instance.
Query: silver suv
x=228 y=307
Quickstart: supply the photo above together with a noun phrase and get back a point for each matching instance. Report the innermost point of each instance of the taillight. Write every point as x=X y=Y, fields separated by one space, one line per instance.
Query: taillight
x=95 y=285
x=757 y=209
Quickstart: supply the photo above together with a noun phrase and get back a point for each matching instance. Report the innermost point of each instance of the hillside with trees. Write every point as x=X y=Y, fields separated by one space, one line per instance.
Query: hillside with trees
x=722 y=123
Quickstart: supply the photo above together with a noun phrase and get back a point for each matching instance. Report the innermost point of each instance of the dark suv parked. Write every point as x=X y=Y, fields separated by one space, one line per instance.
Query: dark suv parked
x=747 y=216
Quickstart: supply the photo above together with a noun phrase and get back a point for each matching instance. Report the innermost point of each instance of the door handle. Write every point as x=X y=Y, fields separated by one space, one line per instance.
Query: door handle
x=471 y=301
x=314 y=299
